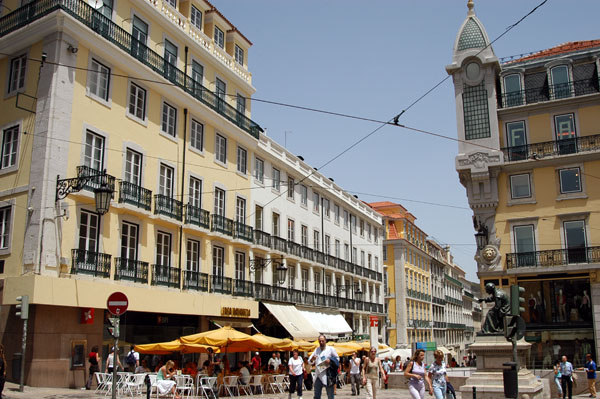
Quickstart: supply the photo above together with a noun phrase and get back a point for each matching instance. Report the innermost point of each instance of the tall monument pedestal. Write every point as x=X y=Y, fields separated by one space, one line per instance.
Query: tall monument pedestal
x=492 y=351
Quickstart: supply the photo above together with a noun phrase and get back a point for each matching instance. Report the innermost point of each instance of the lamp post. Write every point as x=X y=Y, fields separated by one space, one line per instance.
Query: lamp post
x=102 y=194
x=260 y=263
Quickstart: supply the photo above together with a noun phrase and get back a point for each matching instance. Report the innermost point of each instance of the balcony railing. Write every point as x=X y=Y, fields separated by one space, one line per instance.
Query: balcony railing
x=279 y=294
x=243 y=231
x=112 y=32
x=553 y=257
x=197 y=216
x=165 y=275
x=262 y=291
x=167 y=206
x=98 y=179
x=294 y=248
x=279 y=244
x=131 y=269
x=548 y=93
x=195 y=281
x=243 y=288
x=135 y=195
x=308 y=253
x=319 y=257
x=221 y=224
x=220 y=284
x=261 y=238
x=536 y=151
x=87 y=262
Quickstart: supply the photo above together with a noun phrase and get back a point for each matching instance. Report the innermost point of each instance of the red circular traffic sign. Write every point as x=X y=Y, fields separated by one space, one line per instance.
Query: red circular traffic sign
x=117 y=303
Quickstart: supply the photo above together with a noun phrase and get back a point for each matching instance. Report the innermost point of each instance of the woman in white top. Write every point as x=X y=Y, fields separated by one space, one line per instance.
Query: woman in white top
x=296 y=366
x=415 y=371
x=110 y=361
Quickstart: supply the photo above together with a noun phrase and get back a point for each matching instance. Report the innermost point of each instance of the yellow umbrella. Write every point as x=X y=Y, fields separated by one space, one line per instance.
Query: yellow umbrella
x=305 y=346
x=164 y=348
x=343 y=348
x=221 y=337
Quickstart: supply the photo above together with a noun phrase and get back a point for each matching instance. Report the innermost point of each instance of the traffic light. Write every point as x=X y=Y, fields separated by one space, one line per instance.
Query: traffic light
x=516 y=300
x=114 y=330
x=23 y=307
x=510 y=326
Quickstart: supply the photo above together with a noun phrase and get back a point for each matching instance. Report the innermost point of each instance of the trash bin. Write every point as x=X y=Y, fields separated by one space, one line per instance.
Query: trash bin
x=16 y=367
x=511 y=382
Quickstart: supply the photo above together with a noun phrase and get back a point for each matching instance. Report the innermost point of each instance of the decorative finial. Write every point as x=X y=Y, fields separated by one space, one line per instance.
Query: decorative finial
x=470 y=6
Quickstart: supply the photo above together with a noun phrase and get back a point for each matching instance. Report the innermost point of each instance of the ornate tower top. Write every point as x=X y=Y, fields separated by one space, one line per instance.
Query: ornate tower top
x=470 y=6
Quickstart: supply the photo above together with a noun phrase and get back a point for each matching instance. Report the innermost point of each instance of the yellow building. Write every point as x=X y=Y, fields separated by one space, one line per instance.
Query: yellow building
x=529 y=158
x=150 y=100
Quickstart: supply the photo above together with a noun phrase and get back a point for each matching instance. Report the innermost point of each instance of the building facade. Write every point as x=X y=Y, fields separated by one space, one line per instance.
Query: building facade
x=528 y=157
x=151 y=100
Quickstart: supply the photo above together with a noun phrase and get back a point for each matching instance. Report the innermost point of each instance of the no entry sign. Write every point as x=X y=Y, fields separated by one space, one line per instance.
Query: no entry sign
x=117 y=303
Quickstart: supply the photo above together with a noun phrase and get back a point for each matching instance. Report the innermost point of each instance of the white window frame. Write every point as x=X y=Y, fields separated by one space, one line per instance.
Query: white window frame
x=303 y=196
x=10 y=162
x=220 y=149
x=219 y=201
x=242 y=160
x=291 y=230
x=276 y=179
x=194 y=11
x=512 y=194
x=219 y=37
x=275 y=221
x=139 y=90
x=336 y=214
x=290 y=188
x=94 y=77
x=240 y=266
x=166 y=183
x=195 y=192
x=196 y=136
x=7 y=211
x=163 y=248
x=127 y=232
x=90 y=242
x=89 y=159
x=316 y=202
x=168 y=121
x=239 y=55
x=193 y=255
x=17 y=74
x=560 y=179
x=259 y=170
x=129 y=173
x=240 y=209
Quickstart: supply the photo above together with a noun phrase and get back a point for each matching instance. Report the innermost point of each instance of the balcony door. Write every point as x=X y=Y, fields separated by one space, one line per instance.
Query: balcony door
x=129 y=241
x=218 y=268
x=88 y=231
x=575 y=242
x=93 y=156
x=133 y=167
x=517 y=140
x=139 y=32
x=513 y=95
x=566 y=135
x=524 y=237
x=560 y=82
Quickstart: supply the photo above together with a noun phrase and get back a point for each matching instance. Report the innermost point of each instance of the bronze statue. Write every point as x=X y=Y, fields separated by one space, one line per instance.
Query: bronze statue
x=494 y=320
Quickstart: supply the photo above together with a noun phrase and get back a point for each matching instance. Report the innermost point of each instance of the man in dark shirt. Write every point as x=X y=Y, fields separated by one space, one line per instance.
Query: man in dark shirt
x=590 y=368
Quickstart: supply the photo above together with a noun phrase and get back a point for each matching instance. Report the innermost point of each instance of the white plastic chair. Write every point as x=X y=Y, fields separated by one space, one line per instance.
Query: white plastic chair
x=103 y=380
x=231 y=385
x=275 y=383
x=256 y=384
x=208 y=385
x=185 y=384
x=135 y=384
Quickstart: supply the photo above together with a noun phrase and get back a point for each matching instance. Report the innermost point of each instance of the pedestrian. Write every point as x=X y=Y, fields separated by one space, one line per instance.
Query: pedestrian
x=370 y=373
x=94 y=360
x=256 y=363
x=557 y=376
x=355 y=374
x=438 y=376
x=566 y=378
x=2 y=369
x=398 y=364
x=590 y=368
x=110 y=360
x=296 y=366
x=324 y=358
x=415 y=371
x=132 y=360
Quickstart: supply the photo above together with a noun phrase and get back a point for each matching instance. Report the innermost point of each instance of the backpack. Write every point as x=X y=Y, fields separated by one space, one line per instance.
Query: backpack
x=130 y=359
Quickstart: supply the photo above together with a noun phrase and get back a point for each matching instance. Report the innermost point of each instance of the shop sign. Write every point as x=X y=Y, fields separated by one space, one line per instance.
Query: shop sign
x=234 y=312
x=374 y=321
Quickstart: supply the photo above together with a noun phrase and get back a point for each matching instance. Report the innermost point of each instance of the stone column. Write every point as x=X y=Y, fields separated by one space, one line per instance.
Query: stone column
x=595 y=296
x=400 y=296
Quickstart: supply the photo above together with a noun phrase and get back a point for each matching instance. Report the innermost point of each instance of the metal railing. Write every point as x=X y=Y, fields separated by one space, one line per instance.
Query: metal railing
x=131 y=269
x=308 y=253
x=88 y=262
x=243 y=288
x=196 y=281
x=220 y=284
x=553 y=257
x=96 y=181
x=167 y=206
x=279 y=244
x=135 y=195
x=165 y=275
x=242 y=231
x=547 y=93
x=197 y=216
x=294 y=249
x=112 y=32
x=261 y=238
x=221 y=224
x=552 y=148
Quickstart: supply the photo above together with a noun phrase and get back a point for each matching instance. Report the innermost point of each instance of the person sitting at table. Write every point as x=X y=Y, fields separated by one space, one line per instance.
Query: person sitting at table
x=142 y=368
x=244 y=373
x=191 y=369
x=164 y=384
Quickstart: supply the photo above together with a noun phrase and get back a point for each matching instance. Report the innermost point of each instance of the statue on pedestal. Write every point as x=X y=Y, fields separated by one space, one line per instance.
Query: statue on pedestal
x=494 y=320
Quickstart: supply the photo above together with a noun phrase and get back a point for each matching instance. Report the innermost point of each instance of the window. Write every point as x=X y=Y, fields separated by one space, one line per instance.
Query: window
x=220 y=91
x=5 y=227
x=524 y=245
x=316 y=202
x=239 y=55
x=326 y=207
x=290 y=188
x=369 y=261
x=163 y=249
x=353 y=223
x=328 y=284
x=218 y=261
x=575 y=241
x=368 y=231
x=317 y=282
x=259 y=170
x=170 y=56
x=304 y=279
x=129 y=241
x=291 y=230
x=195 y=193
x=346 y=252
x=354 y=255
x=276 y=177
x=242 y=156
x=275 y=224
x=240 y=266
x=362 y=228
x=564 y=126
x=220 y=148
x=291 y=276
x=169 y=119
x=99 y=79
x=512 y=90
x=137 y=101
x=327 y=245
x=362 y=258
x=133 y=167
x=172 y=3
x=88 y=231
x=316 y=240
x=560 y=82
x=197 y=77
x=303 y=195
x=16 y=80
x=219 y=37
x=520 y=186
x=219 y=208
x=240 y=210
x=10 y=147
x=93 y=155
x=165 y=181
x=241 y=106
x=193 y=256
x=258 y=217
x=197 y=135
x=376 y=263
x=346 y=218
x=337 y=248
x=196 y=18
x=336 y=213
x=570 y=180
x=304 y=235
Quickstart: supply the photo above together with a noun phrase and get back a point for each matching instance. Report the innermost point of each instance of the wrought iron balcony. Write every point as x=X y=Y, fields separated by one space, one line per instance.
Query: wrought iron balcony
x=98 y=179
x=221 y=284
x=548 y=93
x=195 y=281
x=221 y=224
x=197 y=216
x=243 y=231
x=552 y=148
x=243 y=288
x=294 y=248
x=87 y=262
x=131 y=269
x=308 y=253
x=165 y=275
x=332 y=261
x=167 y=206
x=319 y=257
x=261 y=238
x=135 y=195
x=553 y=257
x=279 y=244
x=262 y=291
x=279 y=294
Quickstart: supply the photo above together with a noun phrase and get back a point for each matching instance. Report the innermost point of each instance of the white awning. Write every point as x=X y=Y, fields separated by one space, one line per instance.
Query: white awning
x=293 y=321
x=330 y=324
x=444 y=350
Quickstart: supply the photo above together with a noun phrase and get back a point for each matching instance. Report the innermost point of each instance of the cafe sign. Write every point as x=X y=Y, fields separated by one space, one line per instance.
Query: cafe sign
x=234 y=312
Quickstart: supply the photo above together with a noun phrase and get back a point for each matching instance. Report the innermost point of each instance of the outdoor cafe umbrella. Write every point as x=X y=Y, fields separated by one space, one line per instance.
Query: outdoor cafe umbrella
x=221 y=337
x=165 y=348
x=305 y=346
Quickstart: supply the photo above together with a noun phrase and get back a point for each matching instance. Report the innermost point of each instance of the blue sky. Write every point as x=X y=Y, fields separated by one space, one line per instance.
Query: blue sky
x=373 y=59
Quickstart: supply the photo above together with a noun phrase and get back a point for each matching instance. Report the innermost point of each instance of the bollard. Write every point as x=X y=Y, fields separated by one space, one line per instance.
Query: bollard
x=474 y=392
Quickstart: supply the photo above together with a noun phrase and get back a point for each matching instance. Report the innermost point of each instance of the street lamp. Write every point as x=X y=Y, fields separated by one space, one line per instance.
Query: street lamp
x=261 y=263
x=102 y=194
x=481 y=237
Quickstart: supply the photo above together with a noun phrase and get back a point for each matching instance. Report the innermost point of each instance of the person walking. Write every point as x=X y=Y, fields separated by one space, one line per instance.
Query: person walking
x=94 y=360
x=557 y=376
x=355 y=374
x=387 y=368
x=566 y=377
x=110 y=361
x=370 y=375
x=415 y=371
x=590 y=368
x=296 y=366
x=324 y=358
x=438 y=376
x=132 y=360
